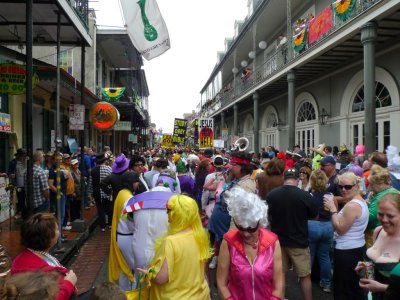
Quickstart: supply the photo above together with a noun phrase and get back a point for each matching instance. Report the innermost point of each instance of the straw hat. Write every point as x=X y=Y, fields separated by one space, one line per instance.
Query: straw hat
x=319 y=150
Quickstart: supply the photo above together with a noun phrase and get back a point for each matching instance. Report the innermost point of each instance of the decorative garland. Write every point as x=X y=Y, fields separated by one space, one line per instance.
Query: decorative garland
x=112 y=94
x=343 y=8
x=300 y=39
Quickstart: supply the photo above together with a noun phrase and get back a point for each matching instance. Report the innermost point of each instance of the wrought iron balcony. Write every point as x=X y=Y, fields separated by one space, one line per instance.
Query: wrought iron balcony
x=274 y=63
x=81 y=9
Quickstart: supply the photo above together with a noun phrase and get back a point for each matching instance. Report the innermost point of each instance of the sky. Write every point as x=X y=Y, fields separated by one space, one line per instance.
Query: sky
x=197 y=30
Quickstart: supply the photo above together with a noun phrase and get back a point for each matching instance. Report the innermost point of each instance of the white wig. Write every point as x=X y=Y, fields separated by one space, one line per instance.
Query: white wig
x=246 y=208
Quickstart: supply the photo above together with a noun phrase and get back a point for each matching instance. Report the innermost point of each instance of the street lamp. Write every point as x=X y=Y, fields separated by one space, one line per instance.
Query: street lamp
x=323 y=117
x=262 y=45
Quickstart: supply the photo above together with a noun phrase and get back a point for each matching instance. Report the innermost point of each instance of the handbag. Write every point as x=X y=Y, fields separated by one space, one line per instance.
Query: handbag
x=139 y=293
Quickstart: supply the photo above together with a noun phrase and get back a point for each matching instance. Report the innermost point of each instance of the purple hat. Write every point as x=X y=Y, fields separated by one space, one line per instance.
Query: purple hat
x=121 y=164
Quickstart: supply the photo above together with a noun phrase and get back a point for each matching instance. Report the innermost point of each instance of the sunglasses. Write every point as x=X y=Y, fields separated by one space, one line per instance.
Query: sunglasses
x=302 y=172
x=346 y=186
x=248 y=229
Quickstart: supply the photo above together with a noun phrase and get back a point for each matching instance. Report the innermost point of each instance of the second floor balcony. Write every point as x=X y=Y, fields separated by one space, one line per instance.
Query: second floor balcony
x=338 y=46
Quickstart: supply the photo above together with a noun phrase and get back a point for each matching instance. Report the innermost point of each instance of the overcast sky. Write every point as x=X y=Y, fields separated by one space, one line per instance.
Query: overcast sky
x=197 y=30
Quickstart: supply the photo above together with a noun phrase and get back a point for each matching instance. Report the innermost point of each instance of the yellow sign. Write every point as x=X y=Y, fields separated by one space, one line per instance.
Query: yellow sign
x=13 y=79
x=166 y=141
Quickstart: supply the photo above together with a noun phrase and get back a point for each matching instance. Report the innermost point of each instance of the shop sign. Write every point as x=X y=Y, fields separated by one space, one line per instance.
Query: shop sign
x=132 y=138
x=76 y=117
x=103 y=115
x=123 y=126
x=13 y=79
x=206 y=133
x=5 y=123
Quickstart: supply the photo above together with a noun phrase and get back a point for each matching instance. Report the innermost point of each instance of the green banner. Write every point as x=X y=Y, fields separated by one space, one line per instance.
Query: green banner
x=13 y=79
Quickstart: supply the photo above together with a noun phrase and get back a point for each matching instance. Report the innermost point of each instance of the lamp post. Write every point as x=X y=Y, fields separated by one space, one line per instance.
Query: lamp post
x=323 y=117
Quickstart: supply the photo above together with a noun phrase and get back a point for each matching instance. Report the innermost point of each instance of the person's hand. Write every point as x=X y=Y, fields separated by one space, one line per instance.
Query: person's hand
x=330 y=204
x=71 y=277
x=144 y=271
x=372 y=285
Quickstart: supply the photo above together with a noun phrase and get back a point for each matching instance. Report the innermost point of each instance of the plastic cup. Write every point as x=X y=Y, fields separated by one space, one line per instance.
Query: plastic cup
x=328 y=196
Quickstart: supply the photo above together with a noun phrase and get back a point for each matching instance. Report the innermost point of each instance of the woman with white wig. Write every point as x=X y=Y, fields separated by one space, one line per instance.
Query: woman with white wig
x=250 y=262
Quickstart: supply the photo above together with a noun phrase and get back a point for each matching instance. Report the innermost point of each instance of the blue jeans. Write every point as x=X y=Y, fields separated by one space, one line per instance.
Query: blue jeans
x=320 y=236
x=44 y=207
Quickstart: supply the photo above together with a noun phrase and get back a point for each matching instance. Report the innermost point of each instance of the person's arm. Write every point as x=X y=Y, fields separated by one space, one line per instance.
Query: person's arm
x=162 y=276
x=343 y=222
x=224 y=261
x=52 y=187
x=278 y=276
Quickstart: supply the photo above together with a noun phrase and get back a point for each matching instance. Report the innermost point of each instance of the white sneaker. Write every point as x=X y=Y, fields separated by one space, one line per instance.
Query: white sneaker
x=67 y=227
x=213 y=263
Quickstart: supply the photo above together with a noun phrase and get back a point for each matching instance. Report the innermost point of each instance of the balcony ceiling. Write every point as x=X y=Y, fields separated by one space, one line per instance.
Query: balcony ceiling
x=117 y=48
x=13 y=23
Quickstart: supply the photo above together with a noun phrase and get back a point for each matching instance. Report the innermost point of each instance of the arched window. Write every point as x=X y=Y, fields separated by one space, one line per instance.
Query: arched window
x=383 y=98
x=306 y=112
x=272 y=120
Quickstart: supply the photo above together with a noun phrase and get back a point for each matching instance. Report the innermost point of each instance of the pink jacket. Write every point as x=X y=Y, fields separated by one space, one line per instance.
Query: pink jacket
x=247 y=281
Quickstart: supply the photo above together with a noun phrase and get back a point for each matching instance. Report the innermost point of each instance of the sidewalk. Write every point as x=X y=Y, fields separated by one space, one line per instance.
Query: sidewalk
x=10 y=237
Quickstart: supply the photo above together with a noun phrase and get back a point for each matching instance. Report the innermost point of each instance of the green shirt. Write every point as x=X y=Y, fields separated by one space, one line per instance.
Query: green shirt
x=373 y=221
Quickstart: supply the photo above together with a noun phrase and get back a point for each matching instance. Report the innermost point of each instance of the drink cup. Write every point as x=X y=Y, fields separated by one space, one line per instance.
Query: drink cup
x=328 y=196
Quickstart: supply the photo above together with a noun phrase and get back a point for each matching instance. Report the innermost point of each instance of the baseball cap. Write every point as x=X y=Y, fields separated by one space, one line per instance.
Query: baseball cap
x=328 y=160
x=218 y=161
x=74 y=161
x=66 y=156
x=291 y=173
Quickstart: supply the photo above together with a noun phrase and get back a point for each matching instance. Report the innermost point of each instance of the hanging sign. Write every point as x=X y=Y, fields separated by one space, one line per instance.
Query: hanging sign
x=123 y=126
x=76 y=117
x=103 y=115
x=206 y=133
x=180 y=126
x=320 y=25
x=13 y=79
x=112 y=94
x=5 y=123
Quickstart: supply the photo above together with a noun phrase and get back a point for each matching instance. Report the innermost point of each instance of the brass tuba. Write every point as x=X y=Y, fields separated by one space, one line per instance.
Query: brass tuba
x=241 y=144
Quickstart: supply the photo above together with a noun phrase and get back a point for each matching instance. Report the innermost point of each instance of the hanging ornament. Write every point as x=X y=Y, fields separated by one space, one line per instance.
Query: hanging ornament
x=343 y=8
x=299 y=40
x=112 y=94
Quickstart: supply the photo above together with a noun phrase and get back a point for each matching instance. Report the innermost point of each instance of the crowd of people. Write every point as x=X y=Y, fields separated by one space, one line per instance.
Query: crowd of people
x=329 y=216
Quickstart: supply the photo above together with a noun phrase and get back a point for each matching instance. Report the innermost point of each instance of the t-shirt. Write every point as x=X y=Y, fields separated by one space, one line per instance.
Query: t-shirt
x=289 y=209
x=185 y=270
x=63 y=181
x=333 y=186
x=318 y=201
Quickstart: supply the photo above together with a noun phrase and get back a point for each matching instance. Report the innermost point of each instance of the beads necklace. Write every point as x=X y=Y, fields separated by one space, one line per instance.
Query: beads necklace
x=50 y=258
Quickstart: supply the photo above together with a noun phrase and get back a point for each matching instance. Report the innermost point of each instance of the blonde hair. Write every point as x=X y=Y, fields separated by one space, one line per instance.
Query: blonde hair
x=351 y=176
x=379 y=175
x=247 y=209
x=183 y=213
x=318 y=181
x=393 y=197
x=31 y=286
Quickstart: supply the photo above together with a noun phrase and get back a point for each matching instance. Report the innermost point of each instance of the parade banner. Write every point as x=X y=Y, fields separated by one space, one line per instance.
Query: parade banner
x=5 y=123
x=206 y=133
x=343 y=8
x=13 y=79
x=179 y=136
x=146 y=27
x=166 y=141
x=320 y=25
x=76 y=117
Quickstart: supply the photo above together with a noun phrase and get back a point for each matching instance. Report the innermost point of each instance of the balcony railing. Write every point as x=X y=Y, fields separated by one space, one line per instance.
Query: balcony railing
x=275 y=62
x=81 y=9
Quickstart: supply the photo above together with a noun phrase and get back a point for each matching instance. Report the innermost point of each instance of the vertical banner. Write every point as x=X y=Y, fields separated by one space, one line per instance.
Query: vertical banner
x=225 y=134
x=5 y=212
x=76 y=117
x=5 y=123
x=146 y=27
x=180 y=126
x=206 y=133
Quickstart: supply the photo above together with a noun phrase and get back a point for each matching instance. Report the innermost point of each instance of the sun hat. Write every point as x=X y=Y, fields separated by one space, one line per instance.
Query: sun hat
x=121 y=163
x=74 y=161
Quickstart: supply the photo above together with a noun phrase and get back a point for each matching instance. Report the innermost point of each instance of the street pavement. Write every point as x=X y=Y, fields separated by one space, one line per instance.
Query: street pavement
x=90 y=265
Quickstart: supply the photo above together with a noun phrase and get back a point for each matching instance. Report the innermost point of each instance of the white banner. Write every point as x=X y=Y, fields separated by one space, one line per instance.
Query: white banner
x=4 y=201
x=76 y=117
x=146 y=27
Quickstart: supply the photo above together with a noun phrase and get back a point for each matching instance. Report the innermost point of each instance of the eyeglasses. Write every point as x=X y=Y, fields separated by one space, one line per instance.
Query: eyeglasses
x=248 y=229
x=346 y=186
